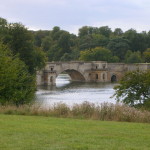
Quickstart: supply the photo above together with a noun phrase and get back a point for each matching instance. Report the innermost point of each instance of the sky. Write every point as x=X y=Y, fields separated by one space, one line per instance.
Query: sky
x=70 y=15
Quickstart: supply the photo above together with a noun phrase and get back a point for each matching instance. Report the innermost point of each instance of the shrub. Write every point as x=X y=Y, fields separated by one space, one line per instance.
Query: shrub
x=86 y=110
x=134 y=88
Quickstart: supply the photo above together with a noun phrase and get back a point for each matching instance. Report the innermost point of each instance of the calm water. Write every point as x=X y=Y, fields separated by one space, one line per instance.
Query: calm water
x=69 y=92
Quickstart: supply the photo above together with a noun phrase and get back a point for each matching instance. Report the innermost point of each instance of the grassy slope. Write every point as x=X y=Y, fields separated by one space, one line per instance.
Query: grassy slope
x=46 y=133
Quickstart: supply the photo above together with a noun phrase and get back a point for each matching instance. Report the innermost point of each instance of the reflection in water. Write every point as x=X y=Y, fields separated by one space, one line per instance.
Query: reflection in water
x=75 y=92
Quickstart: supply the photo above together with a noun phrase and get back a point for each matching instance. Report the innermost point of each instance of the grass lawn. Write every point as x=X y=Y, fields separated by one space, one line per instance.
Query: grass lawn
x=47 y=133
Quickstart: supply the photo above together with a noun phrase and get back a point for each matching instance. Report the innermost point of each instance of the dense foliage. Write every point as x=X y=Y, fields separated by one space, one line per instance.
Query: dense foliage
x=134 y=88
x=129 y=46
x=17 y=86
x=21 y=42
x=59 y=45
x=19 y=60
x=98 y=54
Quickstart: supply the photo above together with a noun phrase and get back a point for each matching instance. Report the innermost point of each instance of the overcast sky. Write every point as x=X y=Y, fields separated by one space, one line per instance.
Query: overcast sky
x=71 y=15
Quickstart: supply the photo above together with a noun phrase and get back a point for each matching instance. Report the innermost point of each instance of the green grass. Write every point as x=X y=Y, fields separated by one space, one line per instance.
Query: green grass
x=48 y=133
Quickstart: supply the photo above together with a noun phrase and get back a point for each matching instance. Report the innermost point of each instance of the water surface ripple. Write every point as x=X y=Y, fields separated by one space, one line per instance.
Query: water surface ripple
x=71 y=92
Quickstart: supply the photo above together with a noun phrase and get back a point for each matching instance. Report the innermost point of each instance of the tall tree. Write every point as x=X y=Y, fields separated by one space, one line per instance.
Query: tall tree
x=119 y=46
x=3 y=26
x=39 y=36
x=137 y=41
x=17 y=86
x=105 y=30
x=118 y=32
x=21 y=42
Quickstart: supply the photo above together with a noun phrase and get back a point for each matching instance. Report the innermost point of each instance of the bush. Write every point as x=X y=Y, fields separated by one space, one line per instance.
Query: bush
x=134 y=88
x=86 y=110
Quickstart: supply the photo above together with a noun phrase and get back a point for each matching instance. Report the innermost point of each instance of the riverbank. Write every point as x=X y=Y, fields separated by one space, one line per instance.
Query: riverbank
x=86 y=110
x=48 y=133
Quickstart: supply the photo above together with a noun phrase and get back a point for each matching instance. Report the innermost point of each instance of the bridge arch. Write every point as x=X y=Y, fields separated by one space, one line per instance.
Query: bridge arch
x=74 y=74
x=114 y=78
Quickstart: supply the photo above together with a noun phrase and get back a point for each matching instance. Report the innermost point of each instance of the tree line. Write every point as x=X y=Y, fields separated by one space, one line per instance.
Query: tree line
x=93 y=43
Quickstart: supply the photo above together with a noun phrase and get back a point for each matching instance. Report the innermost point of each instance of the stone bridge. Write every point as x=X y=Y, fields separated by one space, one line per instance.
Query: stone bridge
x=93 y=71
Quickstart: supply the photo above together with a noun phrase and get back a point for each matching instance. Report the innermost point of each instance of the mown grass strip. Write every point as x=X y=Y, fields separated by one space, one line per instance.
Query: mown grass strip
x=48 y=133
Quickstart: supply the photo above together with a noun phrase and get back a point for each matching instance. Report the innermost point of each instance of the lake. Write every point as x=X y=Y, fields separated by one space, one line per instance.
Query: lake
x=74 y=92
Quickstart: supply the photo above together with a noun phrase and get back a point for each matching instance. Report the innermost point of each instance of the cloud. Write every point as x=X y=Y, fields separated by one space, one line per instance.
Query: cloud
x=73 y=14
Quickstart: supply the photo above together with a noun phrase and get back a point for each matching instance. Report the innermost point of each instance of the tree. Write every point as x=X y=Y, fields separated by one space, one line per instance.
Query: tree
x=86 y=42
x=148 y=39
x=20 y=42
x=64 y=42
x=84 y=31
x=97 y=54
x=65 y=57
x=119 y=47
x=118 y=32
x=47 y=43
x=92 y=41
x=88 y=30
x=56 y=33
x=39 y=58
x=105 y=30
x=58 y=44
x=99 y=40
x=3 y=27
x=146 y=55
x=137 y=41
x=4 y=35
x=134 y=88
x=133 y=57
x=39 y=36
x=17 y=86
